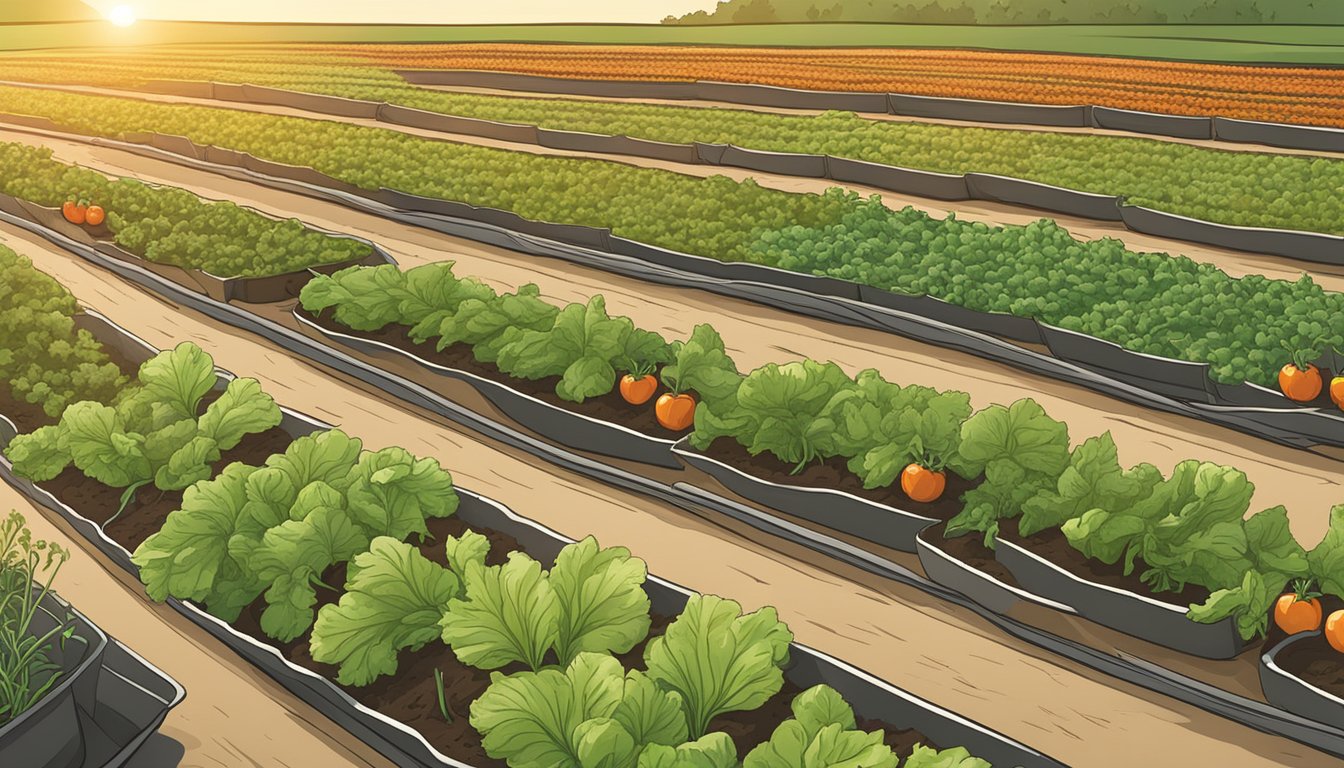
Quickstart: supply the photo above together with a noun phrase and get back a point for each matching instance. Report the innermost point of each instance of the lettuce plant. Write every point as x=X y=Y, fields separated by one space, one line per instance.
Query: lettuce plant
x=154 y=434
x=591 y=600
x=719 y=660
x=393 y=601
x=1021 y=451
x=277 y=528
x=591 y=714
x=955 y=757
x=822 y=732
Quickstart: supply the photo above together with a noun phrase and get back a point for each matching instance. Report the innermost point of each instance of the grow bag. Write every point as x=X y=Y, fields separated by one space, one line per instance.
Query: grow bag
x=559 y=425
x=1290 y=692
x=1034 y=194
x=1134 y=614
x=1314 y=138
x=48 y=735
x=946 y=570
x=976 y=110
x=878 y=523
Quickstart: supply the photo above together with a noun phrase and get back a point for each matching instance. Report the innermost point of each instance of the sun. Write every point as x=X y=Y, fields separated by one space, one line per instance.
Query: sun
x=122 y=15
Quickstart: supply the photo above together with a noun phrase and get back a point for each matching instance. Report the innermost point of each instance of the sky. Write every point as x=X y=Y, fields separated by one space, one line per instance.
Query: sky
x=411 y=11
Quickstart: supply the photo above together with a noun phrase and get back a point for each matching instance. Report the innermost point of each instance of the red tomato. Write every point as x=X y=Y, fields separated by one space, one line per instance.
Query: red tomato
x=1294 y=614
x=95 y=215
x=923 y=484
x=1300 y=384
x=74 y=212
x=1337 y=391
x=675 y=412
x=637 y=391
x=1334 y=631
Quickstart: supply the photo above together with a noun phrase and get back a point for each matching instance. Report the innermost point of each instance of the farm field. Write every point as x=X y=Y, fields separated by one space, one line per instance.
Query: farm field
x=756 y=572
x=442 y=425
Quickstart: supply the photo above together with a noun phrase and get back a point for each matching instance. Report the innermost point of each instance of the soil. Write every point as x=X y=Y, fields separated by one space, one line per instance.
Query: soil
x=1052 y=545
x=610 y=407
x=969 y=549
x=833 y=473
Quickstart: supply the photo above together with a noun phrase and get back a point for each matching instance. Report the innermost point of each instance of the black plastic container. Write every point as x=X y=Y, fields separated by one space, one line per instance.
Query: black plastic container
x=878 y=523
x=1134 y=614
x=1290 y=692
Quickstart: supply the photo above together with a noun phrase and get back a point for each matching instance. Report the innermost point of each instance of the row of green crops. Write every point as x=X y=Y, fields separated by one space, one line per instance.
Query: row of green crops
x=1151 y=303
x=44 y=360
x=270 y=532
x=174 y=226
x=1290 y=192
x=1189 y=528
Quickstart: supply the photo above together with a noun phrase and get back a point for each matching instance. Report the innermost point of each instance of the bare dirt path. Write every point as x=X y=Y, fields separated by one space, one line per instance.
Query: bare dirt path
x=233 y=714
x=1233 y=262
x=899 y=634
x=1308 y=483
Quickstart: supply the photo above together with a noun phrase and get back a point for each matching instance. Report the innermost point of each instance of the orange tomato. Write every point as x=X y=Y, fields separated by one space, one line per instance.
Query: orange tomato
x=1334 y=631
x=923 y=484
x=1300 y=384
x=1294 y=614
x=74 y=212
x=637 y=391
x=1337 y=391
x=675 y=412
x=95 y=215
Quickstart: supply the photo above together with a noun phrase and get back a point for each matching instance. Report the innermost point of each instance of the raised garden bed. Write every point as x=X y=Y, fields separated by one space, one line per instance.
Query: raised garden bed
x=607 y=425
x=1305 y=676
x=964 y=564
x=1046 y=565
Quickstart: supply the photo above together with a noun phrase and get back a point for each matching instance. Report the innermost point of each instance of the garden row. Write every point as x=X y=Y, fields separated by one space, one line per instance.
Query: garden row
x=351 y=562
x=1244 y=329
x=1291 y=193
x=1283 y=94
x=558 y=371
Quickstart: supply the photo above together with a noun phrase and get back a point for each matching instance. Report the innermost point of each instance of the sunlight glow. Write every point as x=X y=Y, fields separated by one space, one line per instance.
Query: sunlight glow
x=122 y=15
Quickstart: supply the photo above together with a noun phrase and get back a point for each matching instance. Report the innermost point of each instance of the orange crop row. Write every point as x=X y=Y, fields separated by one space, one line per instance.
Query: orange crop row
x=1278 y=94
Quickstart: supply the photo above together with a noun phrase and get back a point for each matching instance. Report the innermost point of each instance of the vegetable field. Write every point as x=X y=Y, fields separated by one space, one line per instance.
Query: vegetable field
x=495 y=429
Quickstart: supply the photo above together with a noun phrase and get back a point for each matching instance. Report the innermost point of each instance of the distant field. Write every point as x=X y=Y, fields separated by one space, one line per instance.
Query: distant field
x=1215 y=43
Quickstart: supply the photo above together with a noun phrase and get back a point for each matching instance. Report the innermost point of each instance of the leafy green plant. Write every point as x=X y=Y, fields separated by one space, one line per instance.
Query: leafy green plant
x=719 y=660
x=955 y=757
x=583 y=348
x=277 y=528
x=1092 y=480
x=591 y=600
x=822 y=732
x=591 y=713
x=45 y=360
x=701 y=365
x=393 y=601
x=28 y=568
x=154 y=434
x=1021 y=452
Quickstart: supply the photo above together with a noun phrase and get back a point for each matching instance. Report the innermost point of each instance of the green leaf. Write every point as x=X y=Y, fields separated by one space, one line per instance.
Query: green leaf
x=244 y=409
x=509 y=613
x=514 y=728
x=701 y=365
x=1250 y=602
x=393 y=602
x=648 y=713
x=956 y=757
x=1103 y=535
x=603 y=606
x=327 y=456
x=179 y=378
x=98 y=445
x=719 y=660
x=586 y=377
x=1093 y=479
x=391 y=493
x=293 y=554
x=1272 y=548
x=38 y=455
x=189 y=464
x=713 y=750
x=470 y=547
x=189 y=557
x=821 y=734
x=1327 y=558
x=604 y=743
